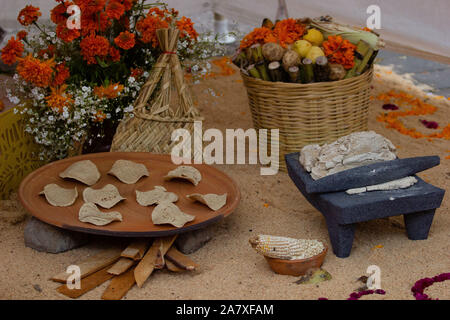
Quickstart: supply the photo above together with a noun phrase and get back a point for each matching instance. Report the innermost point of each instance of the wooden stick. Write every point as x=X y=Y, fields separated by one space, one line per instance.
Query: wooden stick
x=146 y=266
x=136 y=249
x=172 y=267
x=92 y=264
x=122 y=265
x=180 y=260
x=87 y=284
x=119 y=286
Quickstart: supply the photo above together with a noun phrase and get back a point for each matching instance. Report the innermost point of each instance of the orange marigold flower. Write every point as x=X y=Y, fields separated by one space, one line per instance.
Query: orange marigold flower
x=28 y=15
x=258 y=35
x=94 y=46
x=114 y=9
x=36 y=71
x=12 y=51
x=114 y=54
x=88 y=24
x=128 y=4
x=288 y=31
x=59 y=98
x=59 y=13
x=109 y=92
x=125 y=40
x=148 y=26
x=21 y=34
x=186 y=27
x=340 y=51
x=62 y=74
x=89 y=7
x=99 y=116
x=66 y=34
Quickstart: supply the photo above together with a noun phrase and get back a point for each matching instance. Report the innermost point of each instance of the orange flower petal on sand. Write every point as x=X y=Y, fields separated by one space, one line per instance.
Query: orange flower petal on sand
x=12 y=51
x=417 y=108
x=28 y=15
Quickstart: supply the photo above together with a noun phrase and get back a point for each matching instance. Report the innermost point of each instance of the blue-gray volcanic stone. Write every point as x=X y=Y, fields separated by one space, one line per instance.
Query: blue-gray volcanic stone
x=342 y=211
x=43 y=237
x=371 y=174
x=346 y=208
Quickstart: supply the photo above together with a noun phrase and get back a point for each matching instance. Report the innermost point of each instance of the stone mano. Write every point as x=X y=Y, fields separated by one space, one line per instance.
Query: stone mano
x=342 y=211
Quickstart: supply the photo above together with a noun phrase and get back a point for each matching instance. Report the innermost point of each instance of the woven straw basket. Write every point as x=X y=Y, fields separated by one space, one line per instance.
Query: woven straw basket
x=157 y=110
x=309 y=113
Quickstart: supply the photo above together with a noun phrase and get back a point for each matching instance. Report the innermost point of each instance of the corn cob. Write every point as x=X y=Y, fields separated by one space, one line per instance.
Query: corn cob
x=286 y=248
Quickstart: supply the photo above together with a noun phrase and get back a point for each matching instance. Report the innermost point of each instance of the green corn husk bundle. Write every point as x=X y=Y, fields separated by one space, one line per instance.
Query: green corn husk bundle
x=352 y=34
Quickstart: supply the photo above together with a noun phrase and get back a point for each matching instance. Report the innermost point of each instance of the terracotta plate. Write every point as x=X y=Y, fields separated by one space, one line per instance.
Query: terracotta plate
x=137 y=221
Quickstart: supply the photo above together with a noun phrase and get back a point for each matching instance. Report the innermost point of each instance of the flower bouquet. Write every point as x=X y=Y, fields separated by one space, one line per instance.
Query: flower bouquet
x=75 y=83
x=306 y=51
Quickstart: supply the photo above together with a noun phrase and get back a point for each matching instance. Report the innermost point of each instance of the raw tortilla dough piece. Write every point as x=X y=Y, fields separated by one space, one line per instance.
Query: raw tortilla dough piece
x=351 y=151
x=89 y=213
x=128 y=172
x=106 y=197
x=185 y=172
x=213 y=201
x=169 y=213
x=156 y=196
x=84 y=171
x=391 y=185
x=58 y=196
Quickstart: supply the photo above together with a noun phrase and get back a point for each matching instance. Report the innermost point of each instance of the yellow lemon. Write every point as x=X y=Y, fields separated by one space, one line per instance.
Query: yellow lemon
x=314 y=36
x=314 y=53
x=302 y=47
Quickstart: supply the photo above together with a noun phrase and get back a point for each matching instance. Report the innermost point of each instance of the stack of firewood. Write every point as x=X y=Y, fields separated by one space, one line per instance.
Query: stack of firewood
x=125 y=267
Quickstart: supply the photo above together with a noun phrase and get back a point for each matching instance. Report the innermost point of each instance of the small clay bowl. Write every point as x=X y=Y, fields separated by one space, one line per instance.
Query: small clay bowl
x=297 y=267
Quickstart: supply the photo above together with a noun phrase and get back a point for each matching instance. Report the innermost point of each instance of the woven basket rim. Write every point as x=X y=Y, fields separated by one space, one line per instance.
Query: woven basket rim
x=307 y=85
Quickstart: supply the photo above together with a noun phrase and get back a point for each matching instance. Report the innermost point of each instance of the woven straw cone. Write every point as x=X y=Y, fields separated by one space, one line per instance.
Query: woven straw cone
x=309 y=113
x=154 y=119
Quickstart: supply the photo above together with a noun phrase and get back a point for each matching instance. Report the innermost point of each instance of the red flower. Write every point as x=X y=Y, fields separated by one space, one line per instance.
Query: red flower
x=21 y=34
x=128 y=4
x=114 y=54
x=125 y=40
x=66 y=34
x=28 y=15
x=94 y=46
x=186 y=27
x=12 y=50
x=114 y=9
x=59 y=13
x=148 y=26
x=62 y=74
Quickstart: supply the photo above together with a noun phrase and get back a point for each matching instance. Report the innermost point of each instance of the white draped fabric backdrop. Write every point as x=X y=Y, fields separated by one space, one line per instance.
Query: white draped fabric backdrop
x=405 y=24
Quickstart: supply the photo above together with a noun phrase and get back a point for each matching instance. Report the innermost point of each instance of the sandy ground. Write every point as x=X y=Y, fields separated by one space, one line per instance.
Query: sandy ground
x=230 y=269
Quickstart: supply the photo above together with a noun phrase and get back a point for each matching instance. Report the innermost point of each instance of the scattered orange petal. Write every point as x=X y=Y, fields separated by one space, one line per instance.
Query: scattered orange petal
x=266 y=205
